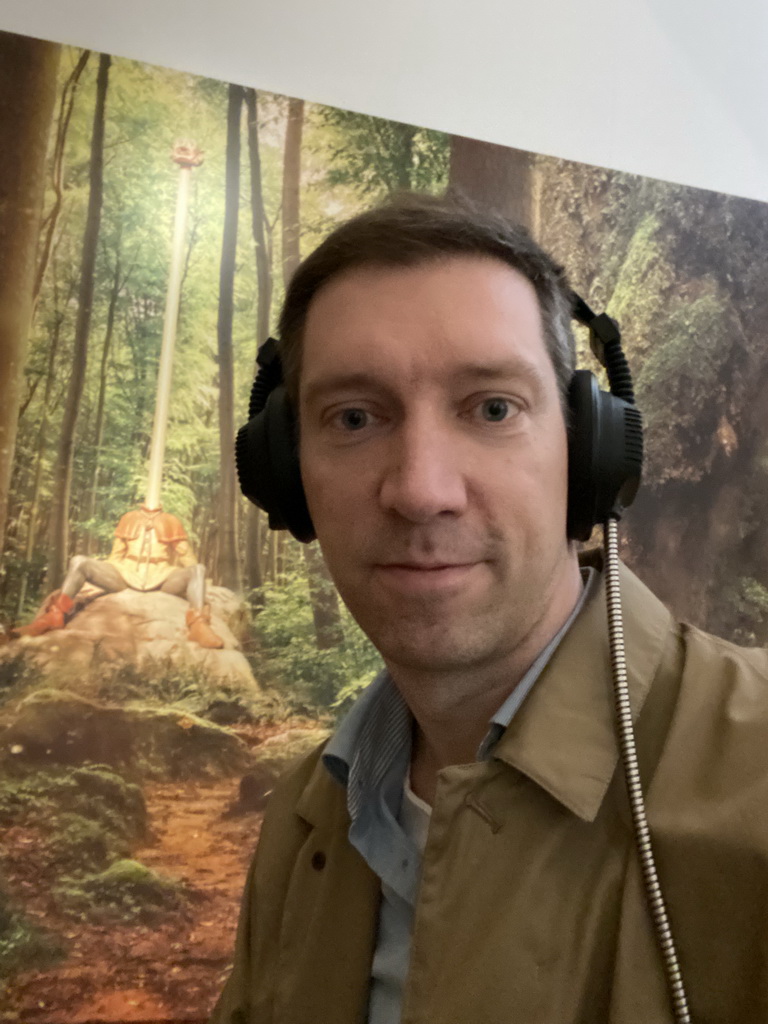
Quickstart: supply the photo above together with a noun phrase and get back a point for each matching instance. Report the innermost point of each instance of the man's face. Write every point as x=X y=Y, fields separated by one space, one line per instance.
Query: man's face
x=434 y=459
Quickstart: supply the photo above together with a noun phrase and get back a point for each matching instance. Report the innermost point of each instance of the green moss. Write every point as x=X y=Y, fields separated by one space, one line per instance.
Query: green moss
x=744 y=611
x=55 y=727
x=643 y=282
x=126 y=890
x=22 y=943
x=85 y=816
x=680 y=387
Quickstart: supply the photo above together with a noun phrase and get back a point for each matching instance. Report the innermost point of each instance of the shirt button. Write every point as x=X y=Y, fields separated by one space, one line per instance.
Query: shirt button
x=318 y=860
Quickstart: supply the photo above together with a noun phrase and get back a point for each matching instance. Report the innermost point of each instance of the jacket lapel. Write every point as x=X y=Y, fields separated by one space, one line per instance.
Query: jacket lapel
x=564 y=737
x=329 y=923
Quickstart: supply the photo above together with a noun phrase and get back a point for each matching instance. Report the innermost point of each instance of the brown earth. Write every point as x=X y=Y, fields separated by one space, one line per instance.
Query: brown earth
x=170 y=971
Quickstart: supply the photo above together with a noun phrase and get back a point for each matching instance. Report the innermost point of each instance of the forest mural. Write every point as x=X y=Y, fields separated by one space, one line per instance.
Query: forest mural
x=134 y=761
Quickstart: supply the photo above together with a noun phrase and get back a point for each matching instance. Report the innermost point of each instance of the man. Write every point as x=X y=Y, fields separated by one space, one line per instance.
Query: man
x=151 y=551
x=462 y=852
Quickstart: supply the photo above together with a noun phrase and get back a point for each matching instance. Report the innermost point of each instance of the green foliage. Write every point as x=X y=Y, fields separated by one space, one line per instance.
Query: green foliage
x=85 y=816
x=126 y=890
x=184 y=686
x=348 y=694
x=746 y=611
x=23 y=945
x=308 y=678
x=644 y=277
x=681 y=388
x=375 y=157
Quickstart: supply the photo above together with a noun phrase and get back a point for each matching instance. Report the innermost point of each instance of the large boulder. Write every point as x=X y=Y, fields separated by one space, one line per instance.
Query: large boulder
x=57 y=727
x=143 y=631
x=269 y=760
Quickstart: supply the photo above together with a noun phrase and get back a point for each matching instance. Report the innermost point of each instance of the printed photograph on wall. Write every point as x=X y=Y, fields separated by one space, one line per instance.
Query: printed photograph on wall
x=163 y=654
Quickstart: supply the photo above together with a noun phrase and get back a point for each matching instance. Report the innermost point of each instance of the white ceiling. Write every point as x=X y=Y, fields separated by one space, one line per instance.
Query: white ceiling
x=674 y=89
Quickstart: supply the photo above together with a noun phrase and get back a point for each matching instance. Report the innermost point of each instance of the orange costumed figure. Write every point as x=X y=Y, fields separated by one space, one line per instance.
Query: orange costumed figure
x=151 y=551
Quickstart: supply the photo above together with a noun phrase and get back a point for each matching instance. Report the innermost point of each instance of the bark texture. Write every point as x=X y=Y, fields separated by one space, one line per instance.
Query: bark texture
x=63 y=474
x=228 y=563
x=27 y=94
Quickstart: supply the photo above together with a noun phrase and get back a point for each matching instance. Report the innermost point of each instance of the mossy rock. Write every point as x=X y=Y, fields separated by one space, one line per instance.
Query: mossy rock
x=126 y=890
x=85 y=817
x=94 y=792
x=53 y=726
x=276 y=754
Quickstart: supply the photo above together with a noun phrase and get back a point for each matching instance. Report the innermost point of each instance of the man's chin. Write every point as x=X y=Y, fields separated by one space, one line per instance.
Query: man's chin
x=432 y=654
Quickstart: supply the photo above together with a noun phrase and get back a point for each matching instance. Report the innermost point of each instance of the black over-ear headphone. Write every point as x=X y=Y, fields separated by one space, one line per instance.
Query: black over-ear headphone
x=605 y=440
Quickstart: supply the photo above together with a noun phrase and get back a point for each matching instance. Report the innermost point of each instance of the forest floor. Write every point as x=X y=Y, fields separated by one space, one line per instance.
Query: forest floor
x=172 y=970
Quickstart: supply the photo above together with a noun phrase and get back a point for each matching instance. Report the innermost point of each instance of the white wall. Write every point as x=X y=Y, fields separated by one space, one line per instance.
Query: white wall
x=675 y=89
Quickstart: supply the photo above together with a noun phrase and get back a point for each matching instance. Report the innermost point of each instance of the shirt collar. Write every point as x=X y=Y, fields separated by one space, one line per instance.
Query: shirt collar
x=376 y=732
x=508 y=709
x=564 y=737
x=374 y=737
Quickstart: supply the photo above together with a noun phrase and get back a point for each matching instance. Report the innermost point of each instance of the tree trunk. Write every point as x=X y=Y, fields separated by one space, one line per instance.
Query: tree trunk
x=495 y=176
x=325 y=602
x=63 y=472
x=253 y=556
x=40 y=449
x=91 y=542
x=322 y=594
x=259 y=221
x=228 y=564
x=27 y=93
x=66 y=107
x=291 y=187
x=254 y=575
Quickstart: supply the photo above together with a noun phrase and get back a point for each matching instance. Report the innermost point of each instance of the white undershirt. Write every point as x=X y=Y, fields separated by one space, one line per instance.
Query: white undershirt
x=393 y=939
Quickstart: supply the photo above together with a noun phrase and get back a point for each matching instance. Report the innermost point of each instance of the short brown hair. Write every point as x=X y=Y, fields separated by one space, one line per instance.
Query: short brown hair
x=412 y=229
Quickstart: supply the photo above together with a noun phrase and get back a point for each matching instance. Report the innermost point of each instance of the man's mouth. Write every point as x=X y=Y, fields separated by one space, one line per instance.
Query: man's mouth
x=424 y=577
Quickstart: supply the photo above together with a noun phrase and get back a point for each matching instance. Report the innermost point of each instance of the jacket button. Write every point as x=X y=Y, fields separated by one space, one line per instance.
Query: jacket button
x=318 y=860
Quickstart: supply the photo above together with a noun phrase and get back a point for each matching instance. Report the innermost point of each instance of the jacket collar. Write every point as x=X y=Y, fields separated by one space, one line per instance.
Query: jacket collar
x=564 y=737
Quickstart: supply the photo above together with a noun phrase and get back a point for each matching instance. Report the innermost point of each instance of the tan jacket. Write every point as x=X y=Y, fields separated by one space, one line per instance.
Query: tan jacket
x=531 y=908
x=148 y=546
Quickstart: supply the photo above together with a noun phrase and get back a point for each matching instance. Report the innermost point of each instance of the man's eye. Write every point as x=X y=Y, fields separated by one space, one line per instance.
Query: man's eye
x=353 y=419
x=495 y=410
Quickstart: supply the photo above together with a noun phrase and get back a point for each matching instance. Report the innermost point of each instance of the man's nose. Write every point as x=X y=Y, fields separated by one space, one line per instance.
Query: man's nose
x=424 y=474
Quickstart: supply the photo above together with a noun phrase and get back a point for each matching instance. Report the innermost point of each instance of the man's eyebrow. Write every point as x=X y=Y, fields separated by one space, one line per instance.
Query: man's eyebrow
x=504 y=369
x=333 y=383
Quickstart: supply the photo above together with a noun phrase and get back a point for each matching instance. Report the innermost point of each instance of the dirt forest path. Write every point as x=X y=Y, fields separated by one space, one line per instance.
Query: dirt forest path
x=172 y=970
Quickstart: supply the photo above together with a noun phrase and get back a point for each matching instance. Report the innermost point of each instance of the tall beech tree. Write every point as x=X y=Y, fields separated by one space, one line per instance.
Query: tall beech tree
x=259 y=222
x=228 y=562
x=292 y=189
x=263 y=251
x=496 y=176
x=66 y=108
x=63 y=470
x=322 y=594
x=28 y=70
x=91 y=544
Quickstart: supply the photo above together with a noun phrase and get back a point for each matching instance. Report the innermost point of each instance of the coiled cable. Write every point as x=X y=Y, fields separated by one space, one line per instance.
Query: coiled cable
x=629 y=760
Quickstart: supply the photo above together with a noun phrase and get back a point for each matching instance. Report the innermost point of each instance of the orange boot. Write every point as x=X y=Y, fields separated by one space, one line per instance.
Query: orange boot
x=50 y=616
x=199 y=628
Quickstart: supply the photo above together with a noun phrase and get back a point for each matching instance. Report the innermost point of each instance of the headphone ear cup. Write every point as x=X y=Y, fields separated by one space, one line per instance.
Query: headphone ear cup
x=605 y=454
x=266 y=455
